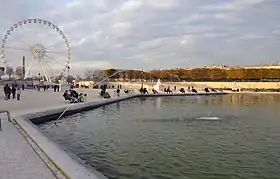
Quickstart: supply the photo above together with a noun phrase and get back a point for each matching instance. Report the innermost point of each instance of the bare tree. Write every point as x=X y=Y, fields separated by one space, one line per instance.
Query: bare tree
x=78 y=77
x=88 y=74
x=19 y=72
x=9 y=71
x=94 y=74
x=70 y=79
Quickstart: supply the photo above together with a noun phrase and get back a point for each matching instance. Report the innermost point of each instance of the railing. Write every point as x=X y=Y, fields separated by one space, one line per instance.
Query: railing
x=8 y=116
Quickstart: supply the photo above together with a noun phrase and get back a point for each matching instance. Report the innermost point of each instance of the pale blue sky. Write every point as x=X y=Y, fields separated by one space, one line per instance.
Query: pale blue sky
x=156 y=33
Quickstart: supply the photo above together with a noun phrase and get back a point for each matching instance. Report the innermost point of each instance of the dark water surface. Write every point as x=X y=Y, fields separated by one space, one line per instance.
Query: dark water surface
x=197 y=137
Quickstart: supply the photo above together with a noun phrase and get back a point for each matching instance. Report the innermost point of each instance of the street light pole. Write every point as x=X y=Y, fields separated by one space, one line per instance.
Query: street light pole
x=142 y=78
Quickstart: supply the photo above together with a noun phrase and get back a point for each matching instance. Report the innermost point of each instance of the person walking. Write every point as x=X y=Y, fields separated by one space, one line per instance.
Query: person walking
x=7 y=91
x=118 y=92
x=14 y=91
x=18 y=93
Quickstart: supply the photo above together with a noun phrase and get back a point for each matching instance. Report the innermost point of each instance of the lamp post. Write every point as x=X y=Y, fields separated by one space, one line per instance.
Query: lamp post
x=68 y=70
x=142 y=78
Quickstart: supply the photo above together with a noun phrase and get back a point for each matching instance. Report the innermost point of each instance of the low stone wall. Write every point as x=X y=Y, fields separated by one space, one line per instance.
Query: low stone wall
x=202 y=85
x=254 y=85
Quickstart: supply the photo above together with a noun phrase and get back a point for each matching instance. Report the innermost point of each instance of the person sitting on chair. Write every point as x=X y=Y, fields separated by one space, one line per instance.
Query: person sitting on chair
x=182 y=90
x=141 y=90
x=168 y=90
x=81 y=98
x=206 y=90
x=106 y=95
x=213 y=90
x=145 y=91
x=126 y=91
x=67 y=96
x=193 y=90
x=85 y=97
x=74 y=95
x=154 y=91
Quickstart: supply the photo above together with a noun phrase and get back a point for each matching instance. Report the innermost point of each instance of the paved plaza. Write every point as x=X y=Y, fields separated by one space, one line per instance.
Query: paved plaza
x=17 y=158
x=36 y=100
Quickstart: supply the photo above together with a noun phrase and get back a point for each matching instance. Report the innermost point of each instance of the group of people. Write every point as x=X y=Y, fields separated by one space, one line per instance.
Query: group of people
x=208 y=90
x=143 y=90
x=168 y=90
x=103 y=93
x=189 y=89
x=13 y=91
x=126 y=91
x=73 y=96
x=56 y=88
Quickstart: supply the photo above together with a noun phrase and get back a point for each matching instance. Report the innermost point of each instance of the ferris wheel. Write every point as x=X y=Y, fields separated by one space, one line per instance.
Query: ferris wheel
x=42 y=57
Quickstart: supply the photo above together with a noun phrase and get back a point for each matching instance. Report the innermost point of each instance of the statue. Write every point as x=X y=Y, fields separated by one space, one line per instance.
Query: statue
x=157 y=86
x=158 y=82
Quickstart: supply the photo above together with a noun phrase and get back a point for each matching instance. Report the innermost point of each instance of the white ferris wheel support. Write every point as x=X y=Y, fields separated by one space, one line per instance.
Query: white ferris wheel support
x=28 y=73
x=40 y=53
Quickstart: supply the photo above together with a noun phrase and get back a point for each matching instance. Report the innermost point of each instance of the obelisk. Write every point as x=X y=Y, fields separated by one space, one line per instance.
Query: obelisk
x=23 y=67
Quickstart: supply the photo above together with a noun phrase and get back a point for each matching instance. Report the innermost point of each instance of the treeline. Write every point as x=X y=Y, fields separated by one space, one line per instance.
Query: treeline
x=197 y=74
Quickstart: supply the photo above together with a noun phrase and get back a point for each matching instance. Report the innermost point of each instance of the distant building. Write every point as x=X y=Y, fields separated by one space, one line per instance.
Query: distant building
x=273 y=66
x=264 y=66
x=221 y=66
x=84 y=83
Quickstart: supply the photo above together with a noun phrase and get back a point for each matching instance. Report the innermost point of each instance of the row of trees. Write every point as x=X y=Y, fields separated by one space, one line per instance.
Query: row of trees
x=198 y=74
x=18 y=72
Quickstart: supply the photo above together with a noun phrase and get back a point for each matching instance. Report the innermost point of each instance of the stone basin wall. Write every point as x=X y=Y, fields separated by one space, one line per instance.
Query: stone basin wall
x=202 y=85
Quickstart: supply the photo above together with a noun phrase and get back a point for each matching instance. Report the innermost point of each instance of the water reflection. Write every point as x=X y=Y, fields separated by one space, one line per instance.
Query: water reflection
x=230 y=136
x=158 y=102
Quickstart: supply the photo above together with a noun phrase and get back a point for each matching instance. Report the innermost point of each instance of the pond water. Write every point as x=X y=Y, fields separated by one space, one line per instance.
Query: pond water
x=197 y=137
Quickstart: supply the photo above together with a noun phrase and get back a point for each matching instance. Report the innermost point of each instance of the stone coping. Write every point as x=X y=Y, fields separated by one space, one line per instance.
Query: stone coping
x=185 y=94
x=68 y=163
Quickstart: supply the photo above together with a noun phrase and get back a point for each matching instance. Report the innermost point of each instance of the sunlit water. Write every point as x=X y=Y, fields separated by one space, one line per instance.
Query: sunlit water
x=230 y=136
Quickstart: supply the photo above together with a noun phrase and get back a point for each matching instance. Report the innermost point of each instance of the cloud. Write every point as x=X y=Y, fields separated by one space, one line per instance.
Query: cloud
x=234 y=5
x=252 y=36
x=195 y=18
x=149 y=33
x=228 y=17
x=130 y=5
x=96 y=64
x=74 y=4
x=187 y=39
x=164 y=4
x=70 y=25
x=80 y=42
x=156 y=43
x=214 y=35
